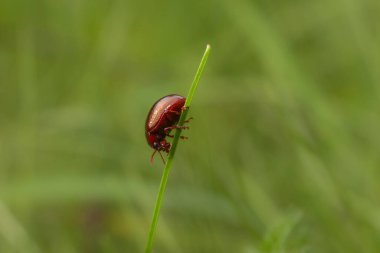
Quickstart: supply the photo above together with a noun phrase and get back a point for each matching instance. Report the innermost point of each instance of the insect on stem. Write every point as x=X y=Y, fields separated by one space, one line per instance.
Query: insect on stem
x=168 y=165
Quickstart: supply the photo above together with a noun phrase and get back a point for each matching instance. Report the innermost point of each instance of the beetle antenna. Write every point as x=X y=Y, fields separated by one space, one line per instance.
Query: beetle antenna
x=152 y=157
x=162 y=157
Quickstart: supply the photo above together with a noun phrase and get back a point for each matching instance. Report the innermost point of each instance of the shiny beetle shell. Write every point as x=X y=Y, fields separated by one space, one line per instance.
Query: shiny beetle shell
x=164 y=113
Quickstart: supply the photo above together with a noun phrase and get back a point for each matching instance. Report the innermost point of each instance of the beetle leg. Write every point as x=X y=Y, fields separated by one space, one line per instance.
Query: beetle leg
x=188 y=120
x=183 y=108
x=167 y=129
x=182 y=137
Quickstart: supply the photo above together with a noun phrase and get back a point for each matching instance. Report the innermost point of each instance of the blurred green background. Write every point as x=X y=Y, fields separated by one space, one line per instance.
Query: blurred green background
x=283 y=154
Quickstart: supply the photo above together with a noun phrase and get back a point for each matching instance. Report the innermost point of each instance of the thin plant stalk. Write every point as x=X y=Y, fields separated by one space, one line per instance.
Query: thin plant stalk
x=169 y=162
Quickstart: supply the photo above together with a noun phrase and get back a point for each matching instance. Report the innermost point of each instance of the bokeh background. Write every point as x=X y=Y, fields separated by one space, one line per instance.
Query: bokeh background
x=283 y=154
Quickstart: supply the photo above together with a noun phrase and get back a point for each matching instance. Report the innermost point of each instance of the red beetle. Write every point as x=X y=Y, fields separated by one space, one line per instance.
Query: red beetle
x=162 y=118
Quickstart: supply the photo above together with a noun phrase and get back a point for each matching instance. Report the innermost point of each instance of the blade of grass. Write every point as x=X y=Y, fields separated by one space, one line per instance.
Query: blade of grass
x=169 y=162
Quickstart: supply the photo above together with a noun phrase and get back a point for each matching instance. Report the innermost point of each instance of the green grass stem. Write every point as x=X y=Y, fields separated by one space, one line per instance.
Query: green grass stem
x=168 y=165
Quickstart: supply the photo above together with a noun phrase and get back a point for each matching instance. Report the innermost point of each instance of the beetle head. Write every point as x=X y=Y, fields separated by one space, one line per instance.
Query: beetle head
x=159 y=144
x=164 y=146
